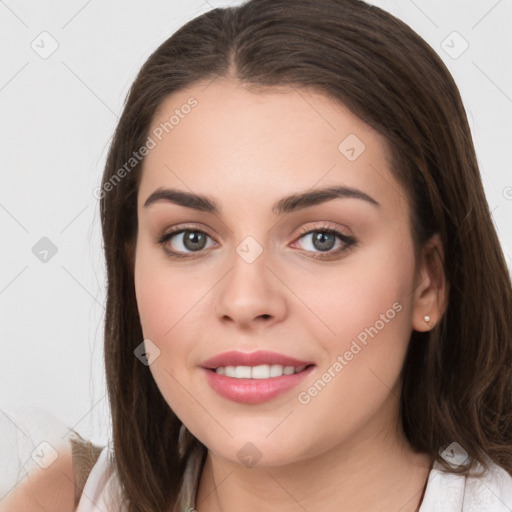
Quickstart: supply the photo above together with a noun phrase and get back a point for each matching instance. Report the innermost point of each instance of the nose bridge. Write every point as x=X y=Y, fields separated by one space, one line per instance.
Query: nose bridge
x=249 y=266
x=250 y=290
x=250 y=250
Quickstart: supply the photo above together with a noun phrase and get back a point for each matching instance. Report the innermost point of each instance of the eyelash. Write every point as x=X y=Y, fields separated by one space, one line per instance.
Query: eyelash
x=350 y=242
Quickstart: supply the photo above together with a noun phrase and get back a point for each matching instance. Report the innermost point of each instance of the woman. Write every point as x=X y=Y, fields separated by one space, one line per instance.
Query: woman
x=308 y=304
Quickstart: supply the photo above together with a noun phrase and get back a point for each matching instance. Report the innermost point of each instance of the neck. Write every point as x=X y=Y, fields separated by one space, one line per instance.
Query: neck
x=365 y=472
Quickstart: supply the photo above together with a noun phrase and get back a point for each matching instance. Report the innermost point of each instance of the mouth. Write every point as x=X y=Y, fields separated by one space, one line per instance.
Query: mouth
x=257 y=384
x=263 y=371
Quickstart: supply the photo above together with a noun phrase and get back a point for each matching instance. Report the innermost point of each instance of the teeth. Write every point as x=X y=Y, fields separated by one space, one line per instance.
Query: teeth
x=263 y=371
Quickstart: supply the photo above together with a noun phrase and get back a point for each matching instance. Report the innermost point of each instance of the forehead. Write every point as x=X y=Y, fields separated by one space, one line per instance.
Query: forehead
x=223 y=136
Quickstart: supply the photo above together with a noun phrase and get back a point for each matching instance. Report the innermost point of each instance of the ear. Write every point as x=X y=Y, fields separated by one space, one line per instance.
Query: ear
x=431 y=288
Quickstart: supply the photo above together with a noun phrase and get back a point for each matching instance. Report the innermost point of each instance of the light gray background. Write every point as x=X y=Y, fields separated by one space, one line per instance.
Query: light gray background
x=57 y=115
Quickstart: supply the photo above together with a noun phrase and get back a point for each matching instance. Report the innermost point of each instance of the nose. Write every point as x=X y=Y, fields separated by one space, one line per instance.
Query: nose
x=251 y=294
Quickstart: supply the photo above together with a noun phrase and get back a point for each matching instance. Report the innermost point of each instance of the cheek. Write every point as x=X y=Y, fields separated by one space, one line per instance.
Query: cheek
x=366 y=311
x=367 y=307
x=155 y=290
x=345 y=300
x=169 y=301
x=165 y=306
x=152 y=302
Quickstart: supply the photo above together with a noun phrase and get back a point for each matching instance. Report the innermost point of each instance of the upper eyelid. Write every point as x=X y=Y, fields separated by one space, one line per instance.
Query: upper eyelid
x=306 y=230
x=322 y=227
x=180 y=229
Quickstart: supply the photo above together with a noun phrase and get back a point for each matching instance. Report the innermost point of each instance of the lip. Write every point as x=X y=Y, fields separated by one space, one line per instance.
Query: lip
x=259 y=357
x=254 y=391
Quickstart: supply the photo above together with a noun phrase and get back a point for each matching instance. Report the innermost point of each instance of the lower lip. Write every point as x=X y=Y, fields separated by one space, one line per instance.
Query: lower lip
x=254 y=391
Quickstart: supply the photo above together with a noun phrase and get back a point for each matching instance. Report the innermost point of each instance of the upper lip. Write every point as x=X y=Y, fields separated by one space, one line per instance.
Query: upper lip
x=236 y=358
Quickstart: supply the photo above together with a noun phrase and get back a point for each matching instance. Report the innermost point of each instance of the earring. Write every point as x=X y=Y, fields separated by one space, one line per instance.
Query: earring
x=427 y=318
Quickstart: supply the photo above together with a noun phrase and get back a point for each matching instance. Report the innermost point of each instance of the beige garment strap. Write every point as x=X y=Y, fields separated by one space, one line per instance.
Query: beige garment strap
x=85 y=454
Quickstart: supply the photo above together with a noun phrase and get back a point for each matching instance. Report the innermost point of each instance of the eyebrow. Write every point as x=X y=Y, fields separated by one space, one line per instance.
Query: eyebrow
x=287 y=204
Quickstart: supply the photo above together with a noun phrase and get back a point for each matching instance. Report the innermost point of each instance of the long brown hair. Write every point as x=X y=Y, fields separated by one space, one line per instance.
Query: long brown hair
x=457 y=378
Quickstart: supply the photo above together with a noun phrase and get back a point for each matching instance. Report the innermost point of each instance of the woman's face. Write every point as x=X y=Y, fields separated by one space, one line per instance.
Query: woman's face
x=328 y=281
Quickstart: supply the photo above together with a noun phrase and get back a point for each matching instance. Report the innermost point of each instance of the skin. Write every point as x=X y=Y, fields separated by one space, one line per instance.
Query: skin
x=45 y=490
x=247 y=150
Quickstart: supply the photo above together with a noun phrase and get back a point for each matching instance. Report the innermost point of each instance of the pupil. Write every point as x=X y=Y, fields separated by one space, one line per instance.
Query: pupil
x=323 y=241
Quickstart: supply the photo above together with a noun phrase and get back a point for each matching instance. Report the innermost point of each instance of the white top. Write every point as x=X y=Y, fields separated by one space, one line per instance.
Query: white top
x=20 y=434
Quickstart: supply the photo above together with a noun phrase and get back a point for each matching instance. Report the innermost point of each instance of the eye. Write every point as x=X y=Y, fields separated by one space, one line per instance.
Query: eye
x=322 y=240
x=193 y=240
x=183 y=242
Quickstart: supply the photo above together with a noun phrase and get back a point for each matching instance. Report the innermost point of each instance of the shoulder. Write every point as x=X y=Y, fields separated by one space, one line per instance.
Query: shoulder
x=37 y=461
